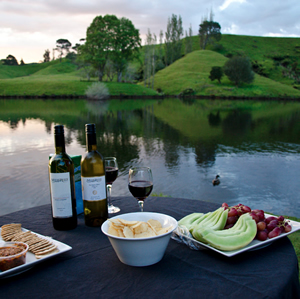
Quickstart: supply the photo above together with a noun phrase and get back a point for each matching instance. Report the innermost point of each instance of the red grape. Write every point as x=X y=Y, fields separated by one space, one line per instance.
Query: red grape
x=274 y=233
x=274 y=223
x=254 y=217
x=232 y=220
x=246 y=209
x=261 y=225
x=232 y=212
x=269 y=219
x=280 y=218
x=287 y=228
x=225 y=205
x=261 y=215
x=262 y=235
x=228 y=226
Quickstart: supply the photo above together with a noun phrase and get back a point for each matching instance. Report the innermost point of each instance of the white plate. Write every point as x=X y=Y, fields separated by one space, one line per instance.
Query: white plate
x=30 y=257
x=255 y=244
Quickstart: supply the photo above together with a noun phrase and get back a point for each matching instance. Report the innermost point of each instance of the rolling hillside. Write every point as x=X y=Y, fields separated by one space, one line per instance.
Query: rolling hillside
x=272 y=57
x=192 y=71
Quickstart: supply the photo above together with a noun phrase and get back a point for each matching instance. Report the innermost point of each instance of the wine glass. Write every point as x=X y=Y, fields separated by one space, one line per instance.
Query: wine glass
x=111 y=173
x=140 y=183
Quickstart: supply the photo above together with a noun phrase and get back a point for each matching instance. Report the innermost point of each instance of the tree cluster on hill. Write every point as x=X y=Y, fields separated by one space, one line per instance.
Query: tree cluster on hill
x=238 y=69
x=10 y=60
x=110 y=40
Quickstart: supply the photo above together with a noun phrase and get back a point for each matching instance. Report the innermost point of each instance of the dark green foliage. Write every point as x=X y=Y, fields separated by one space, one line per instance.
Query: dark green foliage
x=10 y=60
x=238 y=69
x=62 y=45
x=216 y=73
x=173 y=41
x=209 y=31
x=217 y=47
x=187 y=92
x=259 y=69
x=71 y=56
x=188 y=41
x=47 y=55
x=110 y=38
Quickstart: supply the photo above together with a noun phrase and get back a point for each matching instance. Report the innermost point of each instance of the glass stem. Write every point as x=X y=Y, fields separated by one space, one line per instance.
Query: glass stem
x=109 y=194
x=141 y=204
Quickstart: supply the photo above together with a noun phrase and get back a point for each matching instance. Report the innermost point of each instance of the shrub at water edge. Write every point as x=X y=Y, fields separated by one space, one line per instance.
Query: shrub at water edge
x=97 y=91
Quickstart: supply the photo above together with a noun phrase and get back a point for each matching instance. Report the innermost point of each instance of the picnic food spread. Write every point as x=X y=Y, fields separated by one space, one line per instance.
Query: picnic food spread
x=232 y=228
x=12 y=255
x=39 y=246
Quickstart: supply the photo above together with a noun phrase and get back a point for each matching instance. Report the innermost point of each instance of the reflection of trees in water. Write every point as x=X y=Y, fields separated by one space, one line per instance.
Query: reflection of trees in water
x=237 y=123
x=13 y=123
x=287 y=125
x=48 y=125
x=205 y=154
x=214 y=120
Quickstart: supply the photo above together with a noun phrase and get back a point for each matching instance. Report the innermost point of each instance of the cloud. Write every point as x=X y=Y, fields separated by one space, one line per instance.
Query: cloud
x=28 y=27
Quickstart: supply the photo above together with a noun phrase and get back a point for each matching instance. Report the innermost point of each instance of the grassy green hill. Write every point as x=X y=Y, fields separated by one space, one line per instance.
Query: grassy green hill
x=192 y=71
x=55 y=78
x=271 y=56
x=13 y=71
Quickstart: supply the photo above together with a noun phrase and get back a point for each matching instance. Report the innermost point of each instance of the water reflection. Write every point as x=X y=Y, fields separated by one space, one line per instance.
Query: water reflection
x=253 y=146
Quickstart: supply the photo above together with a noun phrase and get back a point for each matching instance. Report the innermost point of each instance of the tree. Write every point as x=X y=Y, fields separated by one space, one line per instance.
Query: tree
x=110 y=70
x=63 y=45
x=110 y=38
x=216 y=73
x=188 y=41
x=173 y=42
x=209 y=31
x=238 y=69
x=150 y=59
x=10 y=60
x=126 y=46
x=47 y=55
x=22 y=62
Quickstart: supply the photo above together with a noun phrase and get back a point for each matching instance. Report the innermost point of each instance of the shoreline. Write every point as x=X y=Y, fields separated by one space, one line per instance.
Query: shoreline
x=155 y=97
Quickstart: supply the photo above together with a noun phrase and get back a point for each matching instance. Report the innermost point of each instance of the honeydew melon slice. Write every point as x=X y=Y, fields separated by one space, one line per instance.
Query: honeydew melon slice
x=236 y=241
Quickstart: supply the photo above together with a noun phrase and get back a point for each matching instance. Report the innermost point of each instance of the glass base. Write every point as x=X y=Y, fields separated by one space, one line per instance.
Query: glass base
x=112 y=209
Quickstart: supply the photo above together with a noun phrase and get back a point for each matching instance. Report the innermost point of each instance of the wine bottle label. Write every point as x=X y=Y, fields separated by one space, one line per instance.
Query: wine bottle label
x=61 y=195
x=93 y=188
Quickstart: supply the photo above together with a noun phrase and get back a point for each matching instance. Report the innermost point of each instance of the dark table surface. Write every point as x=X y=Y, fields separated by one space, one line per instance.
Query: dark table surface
x=92 y=270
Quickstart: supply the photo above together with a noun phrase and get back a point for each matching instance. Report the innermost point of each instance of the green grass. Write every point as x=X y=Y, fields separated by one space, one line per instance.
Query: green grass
x=62 y=84
x=261 y=49
x=8 y=72
x=192 y=71
x=295 y=239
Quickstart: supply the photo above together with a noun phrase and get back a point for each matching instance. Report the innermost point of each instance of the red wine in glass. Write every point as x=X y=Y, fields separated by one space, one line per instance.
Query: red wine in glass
x=140 y=189
x=140 y=184
x=111 y=174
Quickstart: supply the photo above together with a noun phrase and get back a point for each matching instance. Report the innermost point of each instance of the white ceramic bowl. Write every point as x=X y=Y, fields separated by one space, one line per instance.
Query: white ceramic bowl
x=141 y=251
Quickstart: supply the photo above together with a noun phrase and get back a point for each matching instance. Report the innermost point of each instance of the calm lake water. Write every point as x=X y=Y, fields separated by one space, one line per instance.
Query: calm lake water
x=253 y=146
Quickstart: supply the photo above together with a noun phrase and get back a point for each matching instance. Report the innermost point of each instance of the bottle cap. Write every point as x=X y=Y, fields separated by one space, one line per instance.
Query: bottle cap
x=58 y=129
x=90 y=128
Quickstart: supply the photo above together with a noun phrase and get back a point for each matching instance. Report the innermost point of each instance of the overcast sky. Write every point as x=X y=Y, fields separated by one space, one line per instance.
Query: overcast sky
x=29 y=27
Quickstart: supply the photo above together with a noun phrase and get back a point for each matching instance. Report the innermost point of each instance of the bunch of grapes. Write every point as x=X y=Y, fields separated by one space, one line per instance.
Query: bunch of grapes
x=269 y=227
x=234 y=213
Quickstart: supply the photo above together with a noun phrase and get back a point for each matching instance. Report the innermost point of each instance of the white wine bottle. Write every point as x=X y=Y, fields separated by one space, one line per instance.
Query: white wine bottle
x=93 y=181
x=62 y=185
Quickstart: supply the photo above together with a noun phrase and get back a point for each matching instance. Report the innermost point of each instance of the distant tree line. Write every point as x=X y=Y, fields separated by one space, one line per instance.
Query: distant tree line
x=11 y=60
x=112 y=43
